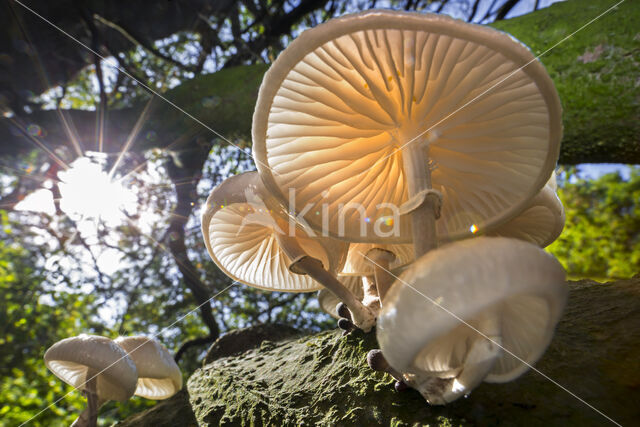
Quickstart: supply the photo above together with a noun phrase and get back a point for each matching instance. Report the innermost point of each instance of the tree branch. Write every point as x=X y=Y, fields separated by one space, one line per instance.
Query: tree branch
x=505 y=9
x=186 y=173
x=195 y=342
x=489 y=10
x=442 y=5
x=474 y=10
x=97 y=63
x=139 y=40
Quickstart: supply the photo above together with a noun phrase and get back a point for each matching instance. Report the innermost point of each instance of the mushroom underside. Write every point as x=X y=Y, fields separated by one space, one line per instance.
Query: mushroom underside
x=337 y=111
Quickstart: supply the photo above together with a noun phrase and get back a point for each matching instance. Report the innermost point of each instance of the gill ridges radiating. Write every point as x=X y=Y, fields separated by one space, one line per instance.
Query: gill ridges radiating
x=344 y=112
x=251 y=254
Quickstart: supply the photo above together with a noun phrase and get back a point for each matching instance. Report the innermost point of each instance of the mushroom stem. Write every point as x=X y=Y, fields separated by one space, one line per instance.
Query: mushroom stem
x=381 y=260
x=482 y=355
x=92 y=397
x=84 y=417
x=89 y=417
x=301 y=263
x=362 y=316
x=371 y=298
x=377 y=362
x=423 y=217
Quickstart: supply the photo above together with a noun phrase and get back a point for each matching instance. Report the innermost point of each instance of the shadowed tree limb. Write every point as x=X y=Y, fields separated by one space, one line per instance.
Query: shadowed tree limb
x=505 y=9
x=196 y=342
x=184 y=169
x=138 y=39
x=490 y=11
x=474 y=11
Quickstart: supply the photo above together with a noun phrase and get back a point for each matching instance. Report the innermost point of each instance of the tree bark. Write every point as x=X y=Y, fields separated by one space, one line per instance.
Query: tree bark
x=324 y=378
x=595 y=77
x=185 y=174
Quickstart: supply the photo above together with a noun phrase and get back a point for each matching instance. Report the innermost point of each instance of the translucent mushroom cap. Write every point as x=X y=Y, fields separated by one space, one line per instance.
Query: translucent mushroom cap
x=240 y=224
x=460 y=313
x=543 y=220
x=76 y=360
x=328 y=301
x=338 y=105
x=159 y=376
x=359 y=263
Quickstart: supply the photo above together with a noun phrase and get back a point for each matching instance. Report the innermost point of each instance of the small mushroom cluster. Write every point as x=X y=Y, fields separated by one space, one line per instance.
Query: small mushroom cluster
x=105 y=369
x=405 y=167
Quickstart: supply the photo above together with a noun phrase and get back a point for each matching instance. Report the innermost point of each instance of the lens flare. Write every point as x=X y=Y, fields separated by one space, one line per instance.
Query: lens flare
x=88 y=191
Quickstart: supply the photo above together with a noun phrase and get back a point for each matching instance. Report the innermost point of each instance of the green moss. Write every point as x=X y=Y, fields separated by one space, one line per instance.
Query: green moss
x=324 y=379
x=223 y=101
x=596 y=72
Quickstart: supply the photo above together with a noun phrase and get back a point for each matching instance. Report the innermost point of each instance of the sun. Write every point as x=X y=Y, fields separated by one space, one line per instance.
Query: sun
x=89 y=192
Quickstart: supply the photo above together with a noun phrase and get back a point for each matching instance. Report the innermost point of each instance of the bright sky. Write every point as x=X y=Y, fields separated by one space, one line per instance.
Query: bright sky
x=89 y=195
x=594 y=170
x=88 y=192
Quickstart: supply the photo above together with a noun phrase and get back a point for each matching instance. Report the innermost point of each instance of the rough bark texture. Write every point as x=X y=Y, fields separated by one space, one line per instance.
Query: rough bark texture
x=323 y=379
x=596 y=71
x=240 y=340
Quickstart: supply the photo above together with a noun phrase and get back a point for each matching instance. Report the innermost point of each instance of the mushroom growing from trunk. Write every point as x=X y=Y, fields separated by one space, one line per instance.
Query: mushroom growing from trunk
x=159 y=376
x=372 y=119
x=362 y=288
x=377 y=261
x=482 y=309
x=95 y=365
x=329 y=302
x=253 y=241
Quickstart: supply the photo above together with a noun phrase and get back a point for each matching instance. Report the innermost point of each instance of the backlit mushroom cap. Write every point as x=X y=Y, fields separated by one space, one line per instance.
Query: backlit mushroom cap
x=328 y=301
x=509 y=291
x=240 y=223
x=158 y=374
x=359 y=263
x=73 y=358
x=541 y=223
x=337 y=106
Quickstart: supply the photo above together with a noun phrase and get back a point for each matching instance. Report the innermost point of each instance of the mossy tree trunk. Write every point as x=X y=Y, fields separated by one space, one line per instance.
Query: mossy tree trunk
x=595 y=69
x=323 y=379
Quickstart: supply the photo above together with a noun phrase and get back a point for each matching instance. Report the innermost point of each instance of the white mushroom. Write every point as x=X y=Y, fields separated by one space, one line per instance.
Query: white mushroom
x=255 y=242
x=358 y=262
x=379 y=114
x=478 y=310
x=541 y=223
x=159 y=376
x=95 y=365
x=377 y=260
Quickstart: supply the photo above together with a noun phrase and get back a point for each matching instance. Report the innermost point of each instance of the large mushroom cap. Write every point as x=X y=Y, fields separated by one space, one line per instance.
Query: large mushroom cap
x=240 y=223
x=72 y=359
x=507 y=290
x=338 y=105
x=541 y=223
x=159 y=376
x=328 y=301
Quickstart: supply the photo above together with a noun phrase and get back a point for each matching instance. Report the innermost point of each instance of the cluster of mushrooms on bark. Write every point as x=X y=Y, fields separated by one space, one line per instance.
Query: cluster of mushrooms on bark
x=105 y=369
x=405 y=169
